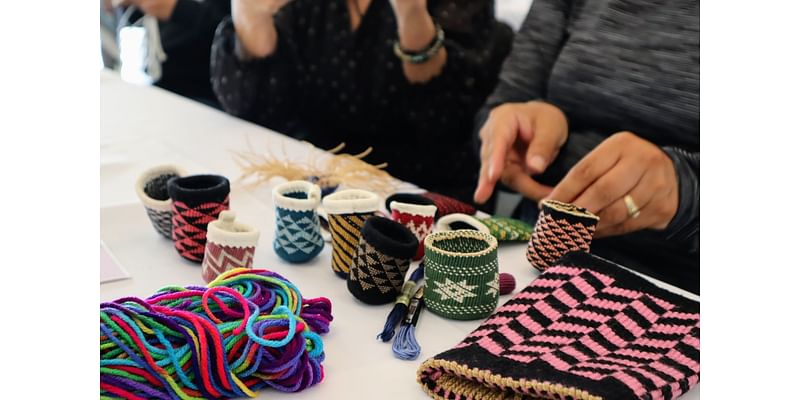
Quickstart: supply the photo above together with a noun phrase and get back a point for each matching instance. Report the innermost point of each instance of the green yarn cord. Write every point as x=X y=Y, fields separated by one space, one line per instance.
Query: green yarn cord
x=508 y=229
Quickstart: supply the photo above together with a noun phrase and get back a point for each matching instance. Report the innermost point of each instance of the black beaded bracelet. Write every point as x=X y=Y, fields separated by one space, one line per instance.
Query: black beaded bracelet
x=425 y=54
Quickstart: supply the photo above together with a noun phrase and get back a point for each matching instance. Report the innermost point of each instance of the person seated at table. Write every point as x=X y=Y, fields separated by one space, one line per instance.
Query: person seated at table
x=403 y=76
x=186 y=28
x=598 y=105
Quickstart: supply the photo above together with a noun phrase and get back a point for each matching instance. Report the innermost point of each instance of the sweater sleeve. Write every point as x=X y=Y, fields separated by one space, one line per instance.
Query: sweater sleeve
x=476 y=44
x=258 y=90
x=525 y=72
x=685 y=226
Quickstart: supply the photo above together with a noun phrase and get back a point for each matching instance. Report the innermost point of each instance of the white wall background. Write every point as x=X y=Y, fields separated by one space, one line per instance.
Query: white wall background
x=512 y=12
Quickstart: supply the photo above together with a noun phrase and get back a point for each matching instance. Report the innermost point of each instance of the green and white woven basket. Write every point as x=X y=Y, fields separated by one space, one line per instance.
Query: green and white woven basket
x=461 y=274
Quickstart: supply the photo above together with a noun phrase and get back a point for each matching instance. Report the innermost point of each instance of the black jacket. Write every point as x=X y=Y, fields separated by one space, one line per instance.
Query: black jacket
x=186 y=38
x=327 y=84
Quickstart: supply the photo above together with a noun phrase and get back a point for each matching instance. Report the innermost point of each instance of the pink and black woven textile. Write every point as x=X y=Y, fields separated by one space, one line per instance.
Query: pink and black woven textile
x=585 y=329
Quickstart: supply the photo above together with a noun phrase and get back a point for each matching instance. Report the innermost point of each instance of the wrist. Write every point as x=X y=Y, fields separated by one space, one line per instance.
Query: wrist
x=165 y=12
x=249 y=20
x=409 y=14
x=258 y=38
x=416 y=32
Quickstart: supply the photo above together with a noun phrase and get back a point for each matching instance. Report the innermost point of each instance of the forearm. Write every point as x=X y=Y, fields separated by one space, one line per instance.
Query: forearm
x=257 y=35
x=416 y=30
x=475 y=45
x=239 y=84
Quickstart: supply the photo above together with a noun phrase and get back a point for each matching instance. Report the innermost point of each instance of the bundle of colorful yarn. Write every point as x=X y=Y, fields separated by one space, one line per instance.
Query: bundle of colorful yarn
x=247 y=330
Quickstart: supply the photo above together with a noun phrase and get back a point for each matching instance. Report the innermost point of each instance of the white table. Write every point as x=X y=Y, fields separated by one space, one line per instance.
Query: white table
x=144 y=126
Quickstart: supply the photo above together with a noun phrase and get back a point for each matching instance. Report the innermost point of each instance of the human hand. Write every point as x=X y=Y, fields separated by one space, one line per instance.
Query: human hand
x=253 y=21
x=161 y=9
x=109 y=5
x=623 y=165
x=517 y=140
x=256 y=9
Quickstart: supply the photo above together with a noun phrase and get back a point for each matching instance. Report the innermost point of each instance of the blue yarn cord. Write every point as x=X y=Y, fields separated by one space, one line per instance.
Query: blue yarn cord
x=418 y=273
x=399 y=309
x=398 y=312
x=405 y=346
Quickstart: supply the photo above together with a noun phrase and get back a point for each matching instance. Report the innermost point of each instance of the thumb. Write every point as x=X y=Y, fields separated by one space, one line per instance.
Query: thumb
x=548 y=137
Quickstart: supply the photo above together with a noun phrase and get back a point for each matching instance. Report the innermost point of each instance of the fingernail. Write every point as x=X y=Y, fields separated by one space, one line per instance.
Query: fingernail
x=537 y=163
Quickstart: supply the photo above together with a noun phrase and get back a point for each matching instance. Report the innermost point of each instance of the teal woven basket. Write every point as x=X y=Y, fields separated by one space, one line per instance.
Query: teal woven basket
x=461 y=274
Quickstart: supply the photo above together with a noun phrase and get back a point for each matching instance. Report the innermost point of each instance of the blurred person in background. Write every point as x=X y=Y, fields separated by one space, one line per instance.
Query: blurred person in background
x=403 y=76
x=598 y=105
x=186 y=28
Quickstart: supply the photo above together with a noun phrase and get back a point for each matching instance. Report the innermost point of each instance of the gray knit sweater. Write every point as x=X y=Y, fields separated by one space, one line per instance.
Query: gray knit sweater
x=619 y=65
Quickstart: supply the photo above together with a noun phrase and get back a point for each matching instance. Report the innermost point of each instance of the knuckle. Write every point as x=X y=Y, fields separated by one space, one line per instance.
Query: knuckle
x=484 y=133
x=583 y=171
x=618 y=214
x=624 y=135
x=499 y=110
x=602 y=193
x=653 y=157
x=623 y=138
x=485 y=151
x=659 y=184
x=664 y=209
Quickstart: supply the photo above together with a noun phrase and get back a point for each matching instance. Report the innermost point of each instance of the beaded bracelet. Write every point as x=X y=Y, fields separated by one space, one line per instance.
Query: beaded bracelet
x=419 y=57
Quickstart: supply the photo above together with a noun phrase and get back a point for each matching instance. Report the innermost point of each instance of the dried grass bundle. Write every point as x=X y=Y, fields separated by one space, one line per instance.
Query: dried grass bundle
x=328 y=171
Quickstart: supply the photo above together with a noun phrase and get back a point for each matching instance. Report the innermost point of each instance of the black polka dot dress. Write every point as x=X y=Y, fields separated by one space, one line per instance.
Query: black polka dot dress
x=328 y=84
